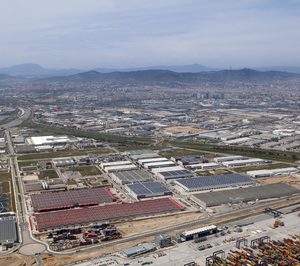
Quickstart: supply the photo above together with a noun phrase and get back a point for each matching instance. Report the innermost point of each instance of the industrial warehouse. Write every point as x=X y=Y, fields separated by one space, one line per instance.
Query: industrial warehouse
x=148 y=190
x=214 y=182
x=273 y=172
x=131 y=176
x=198 y=233
x=109 y=167
x=8 y=230
x=108 y=213
x=68 y=199
x=175 y=172
x=150 y=160
x=210 y=199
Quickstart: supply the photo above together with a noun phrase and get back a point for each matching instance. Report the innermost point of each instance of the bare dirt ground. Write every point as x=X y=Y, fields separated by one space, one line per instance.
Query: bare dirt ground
x=291 y=180
x=65 y=260
x=16 y=260
x=184 y=129
x=142 y=226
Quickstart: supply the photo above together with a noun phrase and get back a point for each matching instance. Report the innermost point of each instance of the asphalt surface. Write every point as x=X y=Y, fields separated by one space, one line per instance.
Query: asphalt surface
x=28 y=245
x=25 y=114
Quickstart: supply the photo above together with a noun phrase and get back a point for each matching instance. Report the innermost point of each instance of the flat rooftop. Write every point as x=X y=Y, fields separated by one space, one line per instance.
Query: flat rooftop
x=133 y=176
x=68 y=199
x=8 y=228
x=111 y=212
x=214 y=181
x=216 y=198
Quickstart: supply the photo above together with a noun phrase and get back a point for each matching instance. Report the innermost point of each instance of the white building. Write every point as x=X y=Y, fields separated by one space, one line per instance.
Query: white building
x=273 y=172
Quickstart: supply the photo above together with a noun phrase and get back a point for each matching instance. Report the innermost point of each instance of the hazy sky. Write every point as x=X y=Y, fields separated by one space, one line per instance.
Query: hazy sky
x=124 y=33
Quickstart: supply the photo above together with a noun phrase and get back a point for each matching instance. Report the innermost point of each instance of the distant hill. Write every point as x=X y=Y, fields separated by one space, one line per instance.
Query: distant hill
x=35 y=70
x=5 y=77
x=166 y=76
x=280 y=68
x=163 y=73
x=193 y=68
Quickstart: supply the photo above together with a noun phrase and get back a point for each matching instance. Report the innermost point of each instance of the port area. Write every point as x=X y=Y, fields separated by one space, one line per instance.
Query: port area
x=184 y=253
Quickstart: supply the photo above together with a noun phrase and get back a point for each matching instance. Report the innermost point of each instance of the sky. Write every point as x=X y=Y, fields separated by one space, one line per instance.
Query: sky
x=130 y=33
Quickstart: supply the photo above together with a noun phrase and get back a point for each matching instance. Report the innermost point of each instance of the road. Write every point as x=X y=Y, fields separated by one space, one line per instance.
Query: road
x=28 y=245
x=220 y=219
x=23 y=115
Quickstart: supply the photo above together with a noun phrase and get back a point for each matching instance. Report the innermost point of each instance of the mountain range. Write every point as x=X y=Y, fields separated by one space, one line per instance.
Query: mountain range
x=168 y=77
x=31 y=70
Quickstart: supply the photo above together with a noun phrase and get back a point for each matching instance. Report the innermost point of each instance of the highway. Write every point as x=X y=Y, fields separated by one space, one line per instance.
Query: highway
x=23 y=115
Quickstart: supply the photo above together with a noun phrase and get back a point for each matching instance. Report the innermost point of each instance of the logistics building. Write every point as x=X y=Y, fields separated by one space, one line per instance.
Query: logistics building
x=198 y=233
x=246 y=162
x=189 y=159
x=273 y=172
x=203 y=166
x=151 y=160
x=8 y=228
x=50 y=140
x=139 y=249
x=214 y=182
x=148 y=190
x=173 y=172
x=107 y=213
x=232 y=196
x=229 y=158
x=48 y=201
x=131 y=176
x=152 y=165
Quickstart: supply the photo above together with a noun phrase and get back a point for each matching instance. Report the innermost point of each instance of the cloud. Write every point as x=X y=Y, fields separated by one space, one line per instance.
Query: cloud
x=121 y=33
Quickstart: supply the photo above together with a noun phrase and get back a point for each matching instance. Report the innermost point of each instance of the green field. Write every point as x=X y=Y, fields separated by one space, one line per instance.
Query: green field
x=43 y=128
x=203 y=173
x=5 y=179
x=48 y=173
x=260 y=167
x=27 y=163
x=50 y=155
x=87 y=170
x=183 y=152
x=240 y=150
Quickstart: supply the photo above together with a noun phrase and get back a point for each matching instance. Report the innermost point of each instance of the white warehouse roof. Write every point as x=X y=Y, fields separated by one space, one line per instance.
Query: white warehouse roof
x=120 y=168
x=230 y=158
x=243 y=162
x=149 y=160
x=198 y=230
x=203 y=165
x=166 y=169
x=43 y=140
x=267 y=172
x=103 y=165
x=158 y=164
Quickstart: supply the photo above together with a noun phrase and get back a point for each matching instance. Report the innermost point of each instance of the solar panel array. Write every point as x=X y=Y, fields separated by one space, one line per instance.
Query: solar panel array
x=216 y=198
x=107 y=213
x=8 y=228
x=4 y=203
x=214 y=182
x=132 y=176
x=148 y=189
x=71 y=198
x=176 y=174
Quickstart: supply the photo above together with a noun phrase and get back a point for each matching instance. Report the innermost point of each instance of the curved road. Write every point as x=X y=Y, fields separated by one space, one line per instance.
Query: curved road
x=23 y=116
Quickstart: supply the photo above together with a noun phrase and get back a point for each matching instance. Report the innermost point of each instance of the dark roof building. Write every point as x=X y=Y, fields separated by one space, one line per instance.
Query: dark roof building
x=214 y=182
x=8 y=228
